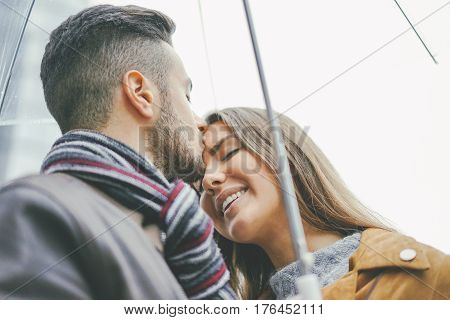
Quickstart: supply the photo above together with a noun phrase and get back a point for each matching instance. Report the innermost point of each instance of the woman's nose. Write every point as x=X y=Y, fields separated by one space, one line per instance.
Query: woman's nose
x=212 y=181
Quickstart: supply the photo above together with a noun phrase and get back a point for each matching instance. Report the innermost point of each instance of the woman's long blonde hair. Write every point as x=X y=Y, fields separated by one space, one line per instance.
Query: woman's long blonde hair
x=324 y=200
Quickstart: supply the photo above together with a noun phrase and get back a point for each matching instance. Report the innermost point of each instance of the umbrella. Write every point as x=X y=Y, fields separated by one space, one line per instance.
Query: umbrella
x=15 y=24
x=307 y=283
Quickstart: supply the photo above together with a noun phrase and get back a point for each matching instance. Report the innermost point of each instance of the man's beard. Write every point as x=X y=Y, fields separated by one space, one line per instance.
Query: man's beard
x=171 y=142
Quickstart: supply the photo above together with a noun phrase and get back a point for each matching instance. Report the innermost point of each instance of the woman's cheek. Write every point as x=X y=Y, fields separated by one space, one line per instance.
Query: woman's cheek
x=207 y=205
x=245 y=164
x=206 y=202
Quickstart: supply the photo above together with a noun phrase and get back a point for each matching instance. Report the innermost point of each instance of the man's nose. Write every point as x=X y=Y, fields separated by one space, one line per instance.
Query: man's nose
x=201 y=124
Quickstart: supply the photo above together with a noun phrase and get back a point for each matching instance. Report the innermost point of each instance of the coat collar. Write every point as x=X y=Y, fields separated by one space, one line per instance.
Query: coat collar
x=381 y=249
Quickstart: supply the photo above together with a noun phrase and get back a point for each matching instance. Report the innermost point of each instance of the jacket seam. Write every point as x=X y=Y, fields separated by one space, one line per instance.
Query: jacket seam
x=377 y=279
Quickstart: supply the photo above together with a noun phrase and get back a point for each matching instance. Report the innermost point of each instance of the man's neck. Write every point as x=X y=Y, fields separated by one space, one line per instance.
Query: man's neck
x=132 y=138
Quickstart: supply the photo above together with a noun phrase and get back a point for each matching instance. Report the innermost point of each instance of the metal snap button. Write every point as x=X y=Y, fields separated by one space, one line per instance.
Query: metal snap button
x=408 y=254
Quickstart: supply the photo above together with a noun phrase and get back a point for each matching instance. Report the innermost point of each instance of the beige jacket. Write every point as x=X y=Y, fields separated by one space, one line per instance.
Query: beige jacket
x=389 y=265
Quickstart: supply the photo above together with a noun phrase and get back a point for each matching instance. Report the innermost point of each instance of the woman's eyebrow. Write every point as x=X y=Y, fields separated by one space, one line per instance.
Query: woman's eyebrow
x=217 y=146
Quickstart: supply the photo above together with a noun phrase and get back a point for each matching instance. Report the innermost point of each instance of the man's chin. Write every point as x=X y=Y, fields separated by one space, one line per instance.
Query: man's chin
x=190 y=171
x=190 y=176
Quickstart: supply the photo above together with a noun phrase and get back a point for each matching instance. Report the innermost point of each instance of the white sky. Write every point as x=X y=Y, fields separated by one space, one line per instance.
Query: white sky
x=383 y=124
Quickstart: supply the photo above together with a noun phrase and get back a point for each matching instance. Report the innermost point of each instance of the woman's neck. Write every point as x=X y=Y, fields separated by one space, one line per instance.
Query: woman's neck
x=280 y=249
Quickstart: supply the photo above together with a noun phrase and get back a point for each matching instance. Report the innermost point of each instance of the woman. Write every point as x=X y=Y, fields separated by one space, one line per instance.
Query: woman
x=357 y=255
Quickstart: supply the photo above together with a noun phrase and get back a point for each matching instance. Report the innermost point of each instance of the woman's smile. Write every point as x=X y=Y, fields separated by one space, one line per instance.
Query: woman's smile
x=241 y=194
x=227 y=197
x=232 y=206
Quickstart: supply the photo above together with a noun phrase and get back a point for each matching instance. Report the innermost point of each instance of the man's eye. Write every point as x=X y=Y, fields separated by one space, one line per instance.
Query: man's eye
x=230 y=154
x=188 y=98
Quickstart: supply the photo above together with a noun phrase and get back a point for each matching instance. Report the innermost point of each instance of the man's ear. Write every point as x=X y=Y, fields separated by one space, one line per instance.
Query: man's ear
x=137 y=90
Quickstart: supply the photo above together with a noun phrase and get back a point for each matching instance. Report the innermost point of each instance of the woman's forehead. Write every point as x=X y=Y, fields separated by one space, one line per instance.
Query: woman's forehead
x=214 y=133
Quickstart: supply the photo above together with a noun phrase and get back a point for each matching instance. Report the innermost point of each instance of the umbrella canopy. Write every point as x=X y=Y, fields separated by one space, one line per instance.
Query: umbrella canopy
x=13 y=26
x=352 y=71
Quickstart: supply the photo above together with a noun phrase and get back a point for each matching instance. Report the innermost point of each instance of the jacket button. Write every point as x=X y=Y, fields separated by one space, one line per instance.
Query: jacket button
x=408 y=254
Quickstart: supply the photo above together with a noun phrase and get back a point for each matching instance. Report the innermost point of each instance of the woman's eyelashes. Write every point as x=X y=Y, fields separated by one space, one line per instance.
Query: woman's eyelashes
x=230 y=154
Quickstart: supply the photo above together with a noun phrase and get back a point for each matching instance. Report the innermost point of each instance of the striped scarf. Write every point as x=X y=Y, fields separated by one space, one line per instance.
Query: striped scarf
x=130 y=179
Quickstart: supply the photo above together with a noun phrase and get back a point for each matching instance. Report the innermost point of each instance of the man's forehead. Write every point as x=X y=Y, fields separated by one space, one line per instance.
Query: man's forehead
x=177 y=67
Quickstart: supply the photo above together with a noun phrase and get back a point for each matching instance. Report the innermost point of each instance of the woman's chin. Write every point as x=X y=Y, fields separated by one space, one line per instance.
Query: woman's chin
x=241 y=231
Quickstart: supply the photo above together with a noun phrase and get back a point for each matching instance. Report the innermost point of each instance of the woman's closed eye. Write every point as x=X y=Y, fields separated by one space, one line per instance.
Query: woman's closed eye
x=230 y=154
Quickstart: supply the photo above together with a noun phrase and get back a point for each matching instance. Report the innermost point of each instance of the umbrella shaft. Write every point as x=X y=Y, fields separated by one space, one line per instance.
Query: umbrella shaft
x=284 y=176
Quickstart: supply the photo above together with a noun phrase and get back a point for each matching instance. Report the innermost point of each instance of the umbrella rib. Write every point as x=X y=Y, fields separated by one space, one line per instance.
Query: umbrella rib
x=418 y=35
x=16 y=52
x=208 y=60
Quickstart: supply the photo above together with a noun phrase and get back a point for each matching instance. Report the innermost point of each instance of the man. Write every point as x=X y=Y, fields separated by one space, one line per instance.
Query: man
x=101 y=222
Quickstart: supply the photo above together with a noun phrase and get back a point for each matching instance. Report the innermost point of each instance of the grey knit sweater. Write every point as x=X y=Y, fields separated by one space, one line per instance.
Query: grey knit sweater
x=330 y=264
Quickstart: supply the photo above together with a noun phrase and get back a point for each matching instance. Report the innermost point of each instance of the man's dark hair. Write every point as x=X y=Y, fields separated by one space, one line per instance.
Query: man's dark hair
x=89 y=53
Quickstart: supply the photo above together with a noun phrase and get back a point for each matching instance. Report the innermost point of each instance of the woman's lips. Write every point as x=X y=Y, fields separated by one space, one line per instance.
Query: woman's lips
x=231 y=207
x=226 y=196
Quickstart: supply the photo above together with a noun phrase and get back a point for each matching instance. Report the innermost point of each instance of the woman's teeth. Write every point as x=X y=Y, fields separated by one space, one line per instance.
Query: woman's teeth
x=231 y=198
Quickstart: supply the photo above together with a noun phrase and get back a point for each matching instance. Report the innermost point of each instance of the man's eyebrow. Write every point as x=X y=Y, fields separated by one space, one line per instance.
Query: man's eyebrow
x=217 y=146
x=189 y=81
